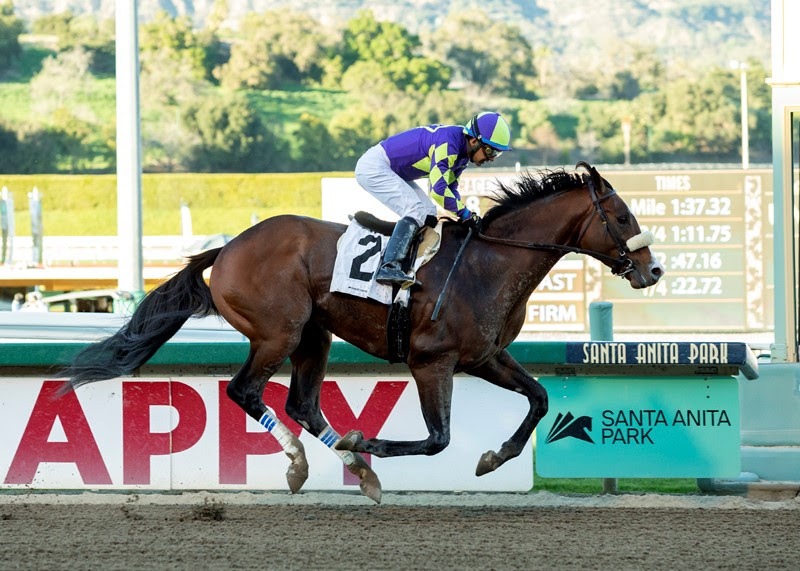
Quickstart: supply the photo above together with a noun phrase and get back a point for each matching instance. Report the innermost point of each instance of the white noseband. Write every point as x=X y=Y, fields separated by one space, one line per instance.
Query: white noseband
x=640 y=241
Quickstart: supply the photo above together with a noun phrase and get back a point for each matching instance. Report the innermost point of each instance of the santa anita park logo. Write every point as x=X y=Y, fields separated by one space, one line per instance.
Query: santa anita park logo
x=632 y=427
x=621 y=427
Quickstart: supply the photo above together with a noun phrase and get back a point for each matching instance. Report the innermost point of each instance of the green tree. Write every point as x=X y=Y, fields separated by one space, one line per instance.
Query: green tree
x=367 y=78
x=647 y=67
x=216 y=53
x=536 y=131
x=220 y=11
x=436 y=107
x=625 y=86
x=360 y=126
x=62 y=80
x=515 y=74
x=628 y=70
x=75 y=138
x=10 y=29
x=599 y=132
x=419 y=74
x=9 y=148
x=697 y=117
x=56 y=24
x=356 y=129
x=502 y=63
x=39 y=150
x=34 y=150
x=81 y=32
x=232 y=138
x=175 y=39
x=97 y=38
x=314 y=147
x=276 y=48
x=366 y=39
x=390 y=51
x=166 y=87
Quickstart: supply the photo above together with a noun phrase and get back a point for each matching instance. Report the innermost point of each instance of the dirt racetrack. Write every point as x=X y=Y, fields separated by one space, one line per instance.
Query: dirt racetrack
x=408 y=531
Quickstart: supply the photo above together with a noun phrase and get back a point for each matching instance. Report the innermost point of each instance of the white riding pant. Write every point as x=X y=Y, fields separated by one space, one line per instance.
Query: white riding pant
x=405 y=198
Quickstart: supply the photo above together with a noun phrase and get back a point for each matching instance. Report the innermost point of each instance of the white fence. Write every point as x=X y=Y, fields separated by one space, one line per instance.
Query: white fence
x=74 y=250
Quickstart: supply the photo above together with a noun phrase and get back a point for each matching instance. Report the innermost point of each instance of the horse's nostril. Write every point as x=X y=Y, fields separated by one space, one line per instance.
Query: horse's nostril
x=658 y=271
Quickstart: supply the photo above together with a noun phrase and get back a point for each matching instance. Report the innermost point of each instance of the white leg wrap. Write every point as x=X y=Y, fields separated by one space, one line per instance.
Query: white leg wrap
x=279 y=430
x=329 y=437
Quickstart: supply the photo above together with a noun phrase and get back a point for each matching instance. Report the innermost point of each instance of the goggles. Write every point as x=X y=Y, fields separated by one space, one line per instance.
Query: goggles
x=491 y=152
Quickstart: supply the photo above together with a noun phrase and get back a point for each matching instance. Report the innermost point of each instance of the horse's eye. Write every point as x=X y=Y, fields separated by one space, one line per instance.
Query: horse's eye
x=623 y=219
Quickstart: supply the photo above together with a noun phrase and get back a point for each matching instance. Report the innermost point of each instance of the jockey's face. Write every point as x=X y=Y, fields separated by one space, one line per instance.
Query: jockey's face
x=479 y=157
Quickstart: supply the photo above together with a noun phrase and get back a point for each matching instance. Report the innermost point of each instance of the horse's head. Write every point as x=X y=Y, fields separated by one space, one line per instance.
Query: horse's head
x=613 y=235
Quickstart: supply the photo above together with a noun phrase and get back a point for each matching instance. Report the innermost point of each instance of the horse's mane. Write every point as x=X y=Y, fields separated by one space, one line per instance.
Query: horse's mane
x=528 y=188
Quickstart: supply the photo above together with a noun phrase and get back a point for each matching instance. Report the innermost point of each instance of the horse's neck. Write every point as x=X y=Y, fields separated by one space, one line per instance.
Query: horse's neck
x=556 y=220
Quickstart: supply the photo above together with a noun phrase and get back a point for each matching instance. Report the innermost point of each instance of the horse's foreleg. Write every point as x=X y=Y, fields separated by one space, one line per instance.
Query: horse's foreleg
x=246 y=389
x=435 y=387
x=504 y=371
x=309 y=363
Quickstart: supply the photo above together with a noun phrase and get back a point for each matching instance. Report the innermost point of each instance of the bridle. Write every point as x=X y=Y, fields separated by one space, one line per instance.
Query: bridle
x=620 y=266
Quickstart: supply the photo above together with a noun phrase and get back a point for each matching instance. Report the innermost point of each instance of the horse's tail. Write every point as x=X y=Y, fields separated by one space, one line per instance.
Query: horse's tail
x=158 y=317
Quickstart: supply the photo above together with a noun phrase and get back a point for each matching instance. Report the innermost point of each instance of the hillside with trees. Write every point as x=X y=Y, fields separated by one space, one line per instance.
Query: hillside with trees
x=711 y=31
x=253 y=86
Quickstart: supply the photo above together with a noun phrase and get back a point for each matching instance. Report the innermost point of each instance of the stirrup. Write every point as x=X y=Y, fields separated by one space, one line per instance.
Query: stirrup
x=392 y=274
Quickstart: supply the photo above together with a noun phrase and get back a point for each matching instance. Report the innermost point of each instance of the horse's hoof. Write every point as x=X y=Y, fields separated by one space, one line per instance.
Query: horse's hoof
x=368 y=480
x=350 y=440
x=297 y=473
x=489 y=462
x=371 y=486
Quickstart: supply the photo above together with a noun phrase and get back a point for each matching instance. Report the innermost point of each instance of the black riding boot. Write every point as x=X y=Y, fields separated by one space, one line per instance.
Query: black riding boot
x=397 y=249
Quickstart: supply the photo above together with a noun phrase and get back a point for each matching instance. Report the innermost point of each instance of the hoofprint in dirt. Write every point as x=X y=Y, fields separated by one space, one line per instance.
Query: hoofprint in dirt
x=409 y=531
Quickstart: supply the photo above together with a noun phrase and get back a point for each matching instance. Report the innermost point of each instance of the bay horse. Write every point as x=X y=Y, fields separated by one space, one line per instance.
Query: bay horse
x=272 y=284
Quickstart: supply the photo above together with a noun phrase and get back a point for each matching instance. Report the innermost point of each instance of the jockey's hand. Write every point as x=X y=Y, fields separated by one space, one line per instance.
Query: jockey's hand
x=473 y=221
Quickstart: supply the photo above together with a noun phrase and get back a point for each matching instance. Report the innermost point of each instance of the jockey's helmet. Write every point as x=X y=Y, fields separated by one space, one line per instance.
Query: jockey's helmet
x=490 y=129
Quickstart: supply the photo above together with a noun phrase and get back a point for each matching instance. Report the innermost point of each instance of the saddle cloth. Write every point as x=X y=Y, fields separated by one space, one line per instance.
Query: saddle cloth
x=359 y=253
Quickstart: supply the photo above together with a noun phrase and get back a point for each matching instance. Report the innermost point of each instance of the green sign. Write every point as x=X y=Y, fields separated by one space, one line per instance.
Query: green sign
x=628 y=427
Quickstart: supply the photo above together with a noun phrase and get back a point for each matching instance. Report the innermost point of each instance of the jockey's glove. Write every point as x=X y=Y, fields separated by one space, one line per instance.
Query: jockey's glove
x=473 y=221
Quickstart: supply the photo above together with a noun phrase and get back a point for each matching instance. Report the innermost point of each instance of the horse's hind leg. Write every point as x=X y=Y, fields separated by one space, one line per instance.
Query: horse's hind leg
x=309 y=363
x=502 y=370
x=246 y=389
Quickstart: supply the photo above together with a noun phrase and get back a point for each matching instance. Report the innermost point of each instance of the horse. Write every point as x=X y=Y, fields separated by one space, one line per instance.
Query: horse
x=272 y=284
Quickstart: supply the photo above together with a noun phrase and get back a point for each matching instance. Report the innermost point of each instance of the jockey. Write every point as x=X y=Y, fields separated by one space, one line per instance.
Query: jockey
x=439 y=152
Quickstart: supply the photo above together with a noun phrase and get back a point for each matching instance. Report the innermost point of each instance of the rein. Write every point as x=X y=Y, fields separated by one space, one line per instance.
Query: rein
x=620 y=266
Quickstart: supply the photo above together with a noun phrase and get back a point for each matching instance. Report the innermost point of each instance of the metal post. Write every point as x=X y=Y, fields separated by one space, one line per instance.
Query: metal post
x=626 y=140
x=742 y=67
x=785 y=84
x=187 y=234
x=37 y=231
x=745 y=133
x=601 y=328
x=129 y=168
x=3 y=225
x=9 y=230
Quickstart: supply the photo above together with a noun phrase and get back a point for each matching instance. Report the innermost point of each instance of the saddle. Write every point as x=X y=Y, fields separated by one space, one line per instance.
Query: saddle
x=398 y=325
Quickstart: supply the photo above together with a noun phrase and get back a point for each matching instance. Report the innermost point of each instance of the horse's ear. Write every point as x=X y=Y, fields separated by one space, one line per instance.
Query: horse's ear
x=589 y=168
x=598 y=181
